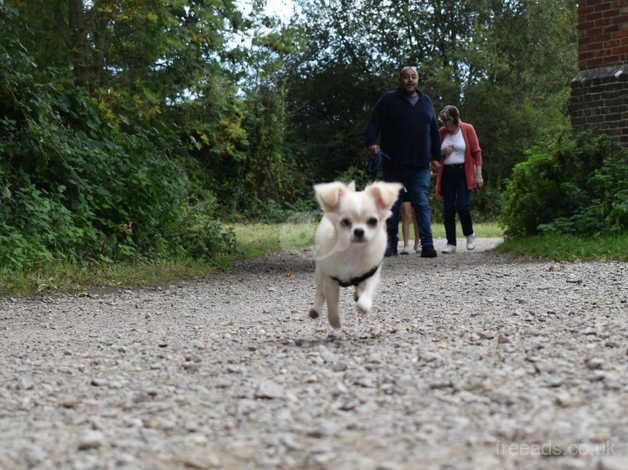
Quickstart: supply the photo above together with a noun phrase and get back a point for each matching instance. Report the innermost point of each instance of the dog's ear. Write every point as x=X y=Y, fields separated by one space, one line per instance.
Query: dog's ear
x=329 y=195
x=351 y=186
x=384 y=194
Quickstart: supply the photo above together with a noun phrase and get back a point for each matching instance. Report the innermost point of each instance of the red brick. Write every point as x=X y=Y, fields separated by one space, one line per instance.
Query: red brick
x=587 y=55
x=595 y=32
x=610 y=12
x=604 y=21
x=595 y=16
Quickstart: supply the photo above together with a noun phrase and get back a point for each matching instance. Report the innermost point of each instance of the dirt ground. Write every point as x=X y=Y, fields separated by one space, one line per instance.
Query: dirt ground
x=474 y=360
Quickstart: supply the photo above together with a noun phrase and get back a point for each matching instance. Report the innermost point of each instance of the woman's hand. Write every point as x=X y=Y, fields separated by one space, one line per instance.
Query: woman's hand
x=479 y=181
x=445 y=151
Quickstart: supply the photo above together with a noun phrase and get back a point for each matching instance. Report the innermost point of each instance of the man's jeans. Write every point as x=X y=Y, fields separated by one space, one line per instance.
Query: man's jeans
x=456 y=199
x=417 y=183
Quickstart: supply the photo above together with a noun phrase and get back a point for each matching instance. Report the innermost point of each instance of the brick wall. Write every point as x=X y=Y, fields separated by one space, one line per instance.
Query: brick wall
x=602 y=33
x=599 y=93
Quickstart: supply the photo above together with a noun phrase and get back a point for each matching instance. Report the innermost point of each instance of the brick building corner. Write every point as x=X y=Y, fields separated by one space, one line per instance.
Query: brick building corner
x=599 y=92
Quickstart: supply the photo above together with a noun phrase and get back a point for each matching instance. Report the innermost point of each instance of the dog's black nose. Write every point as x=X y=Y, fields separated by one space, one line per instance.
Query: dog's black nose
x=358 y=233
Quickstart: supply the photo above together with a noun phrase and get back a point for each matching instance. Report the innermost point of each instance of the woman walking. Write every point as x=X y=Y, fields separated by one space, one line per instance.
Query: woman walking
x=460 y=172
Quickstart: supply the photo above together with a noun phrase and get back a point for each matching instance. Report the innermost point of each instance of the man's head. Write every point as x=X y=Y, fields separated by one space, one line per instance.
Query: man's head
x=409 y=80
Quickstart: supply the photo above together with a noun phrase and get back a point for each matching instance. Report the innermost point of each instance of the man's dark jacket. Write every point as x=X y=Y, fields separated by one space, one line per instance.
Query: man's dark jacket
x=409 y=134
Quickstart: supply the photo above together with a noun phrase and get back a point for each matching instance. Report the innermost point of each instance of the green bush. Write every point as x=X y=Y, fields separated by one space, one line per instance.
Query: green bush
x=76 y=185
x=201 y=235
x=578 y=186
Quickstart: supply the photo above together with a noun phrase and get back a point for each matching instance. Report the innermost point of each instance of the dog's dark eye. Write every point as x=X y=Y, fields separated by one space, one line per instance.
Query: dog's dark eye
x=372 y=222
x=345 y=222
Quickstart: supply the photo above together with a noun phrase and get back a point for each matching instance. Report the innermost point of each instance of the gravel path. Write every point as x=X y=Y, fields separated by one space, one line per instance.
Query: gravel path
x=473 y=360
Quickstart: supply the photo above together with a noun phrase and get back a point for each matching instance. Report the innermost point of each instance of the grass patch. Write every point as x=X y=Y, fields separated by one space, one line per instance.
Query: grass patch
x=253 y=239
x=71 y=277
x=482 y=230
x=569 y=247
x=260 y=239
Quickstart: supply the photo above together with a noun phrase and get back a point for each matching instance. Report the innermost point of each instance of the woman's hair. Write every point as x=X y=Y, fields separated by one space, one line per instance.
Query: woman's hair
x=449 y=114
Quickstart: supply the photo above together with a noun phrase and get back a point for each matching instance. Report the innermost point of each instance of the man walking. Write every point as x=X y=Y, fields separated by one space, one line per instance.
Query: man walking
x=405 y=121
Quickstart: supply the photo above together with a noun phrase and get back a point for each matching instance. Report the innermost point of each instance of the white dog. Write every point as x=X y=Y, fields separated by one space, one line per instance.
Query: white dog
x=350 y=243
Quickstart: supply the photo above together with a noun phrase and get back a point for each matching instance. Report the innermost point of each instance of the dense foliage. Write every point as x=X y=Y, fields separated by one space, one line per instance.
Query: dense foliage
x=576 y=187
x=91 y=173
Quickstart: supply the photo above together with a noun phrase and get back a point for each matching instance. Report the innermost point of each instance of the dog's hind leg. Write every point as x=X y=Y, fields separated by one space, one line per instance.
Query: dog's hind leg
x=319 y=298
x=332 y=293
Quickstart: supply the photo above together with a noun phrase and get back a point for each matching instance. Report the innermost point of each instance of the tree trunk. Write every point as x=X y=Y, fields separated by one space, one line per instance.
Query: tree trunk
x=77 y=36
x=100 y=21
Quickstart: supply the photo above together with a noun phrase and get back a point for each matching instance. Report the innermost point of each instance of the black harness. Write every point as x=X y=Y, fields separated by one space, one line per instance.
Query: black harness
x=354 y=281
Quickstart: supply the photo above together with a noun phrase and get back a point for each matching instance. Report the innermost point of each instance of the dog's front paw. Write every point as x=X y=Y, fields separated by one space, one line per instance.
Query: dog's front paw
x=365 y=304
x=313 y=313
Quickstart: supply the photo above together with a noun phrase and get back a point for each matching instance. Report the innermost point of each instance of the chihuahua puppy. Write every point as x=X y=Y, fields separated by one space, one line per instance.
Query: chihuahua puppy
x=350 y=243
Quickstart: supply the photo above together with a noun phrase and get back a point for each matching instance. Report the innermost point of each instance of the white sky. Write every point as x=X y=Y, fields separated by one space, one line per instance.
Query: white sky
x=280 y=8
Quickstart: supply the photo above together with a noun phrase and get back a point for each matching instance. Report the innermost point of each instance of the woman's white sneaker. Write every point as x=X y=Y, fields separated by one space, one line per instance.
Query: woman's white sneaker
x=470 y=243
x=405 y=250
x=449 y=249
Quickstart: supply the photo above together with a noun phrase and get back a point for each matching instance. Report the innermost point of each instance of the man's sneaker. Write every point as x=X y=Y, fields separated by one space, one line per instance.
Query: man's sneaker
x=449 y=249
x=428 y=252
x=405 y=250
x=391 y=251
x=470 y=242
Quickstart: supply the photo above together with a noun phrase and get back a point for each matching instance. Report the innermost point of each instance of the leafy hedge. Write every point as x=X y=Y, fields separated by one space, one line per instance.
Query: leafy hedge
x=77 y=186
x=576 y=187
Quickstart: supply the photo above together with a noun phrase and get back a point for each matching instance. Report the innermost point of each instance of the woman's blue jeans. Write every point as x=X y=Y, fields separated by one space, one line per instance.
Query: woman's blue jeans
x=417 y=183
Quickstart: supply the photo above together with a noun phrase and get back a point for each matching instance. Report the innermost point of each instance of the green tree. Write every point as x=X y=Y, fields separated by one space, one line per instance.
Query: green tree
x=96 y=143
x=487 y=57
x=520 y=96
x=270 y=173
